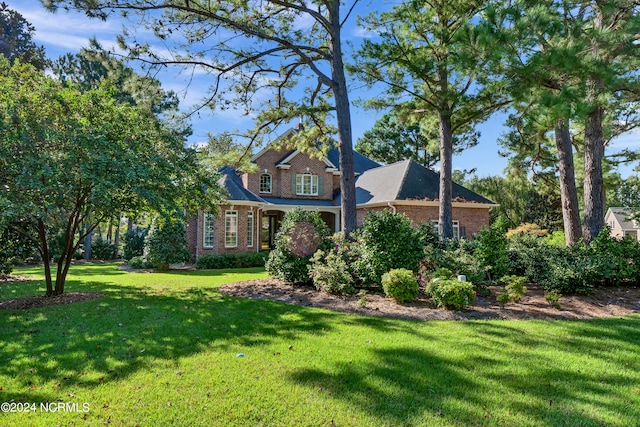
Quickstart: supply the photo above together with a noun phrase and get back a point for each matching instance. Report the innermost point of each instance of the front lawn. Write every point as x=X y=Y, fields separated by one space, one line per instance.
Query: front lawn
x=167 y=349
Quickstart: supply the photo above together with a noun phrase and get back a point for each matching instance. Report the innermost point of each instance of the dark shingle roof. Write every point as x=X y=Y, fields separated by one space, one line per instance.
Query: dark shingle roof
x=300 y=202
x=624 y=216
x=231 y=182
x=407 y=180
x=360 y=163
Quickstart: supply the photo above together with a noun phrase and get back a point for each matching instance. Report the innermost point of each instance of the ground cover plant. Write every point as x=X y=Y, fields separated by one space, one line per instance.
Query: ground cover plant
x=169 y=349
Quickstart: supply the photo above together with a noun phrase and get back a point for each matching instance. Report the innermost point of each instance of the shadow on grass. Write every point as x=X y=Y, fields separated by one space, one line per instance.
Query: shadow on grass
x=509 y=369
x=130 y=329
x=496 y=383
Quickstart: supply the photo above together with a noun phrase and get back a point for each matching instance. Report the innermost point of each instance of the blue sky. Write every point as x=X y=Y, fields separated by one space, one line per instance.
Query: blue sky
x=65 y=32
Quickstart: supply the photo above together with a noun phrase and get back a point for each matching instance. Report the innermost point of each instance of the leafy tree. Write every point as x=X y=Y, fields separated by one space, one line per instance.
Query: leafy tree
x=627 y=194
x=263 y=47
x=69 y=157
x=392 y=139
x=16 y=39
x=88 y=69
x=430 y=56
x=510 y=193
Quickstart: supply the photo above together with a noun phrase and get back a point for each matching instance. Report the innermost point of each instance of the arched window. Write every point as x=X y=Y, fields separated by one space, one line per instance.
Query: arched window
x=265 y=183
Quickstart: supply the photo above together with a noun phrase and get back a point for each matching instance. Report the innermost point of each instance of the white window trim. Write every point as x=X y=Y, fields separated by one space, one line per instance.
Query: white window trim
x=227 y=230
x=313 y=184
x=270 y=183
x=208 y=217
x=456 y=228
x=250 y=229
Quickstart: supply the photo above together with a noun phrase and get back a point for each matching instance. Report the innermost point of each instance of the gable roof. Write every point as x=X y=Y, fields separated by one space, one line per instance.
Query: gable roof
x=332 y=159
x=231 y=182
x=408 y=180
x=622 y=216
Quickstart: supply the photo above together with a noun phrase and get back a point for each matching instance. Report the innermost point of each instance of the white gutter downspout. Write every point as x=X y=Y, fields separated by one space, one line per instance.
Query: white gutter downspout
x=393 y=208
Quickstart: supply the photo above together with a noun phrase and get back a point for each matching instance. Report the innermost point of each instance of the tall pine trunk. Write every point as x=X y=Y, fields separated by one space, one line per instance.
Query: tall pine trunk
x=593 y=179
x=568 y=190
x=445 y=213
x=343 y=116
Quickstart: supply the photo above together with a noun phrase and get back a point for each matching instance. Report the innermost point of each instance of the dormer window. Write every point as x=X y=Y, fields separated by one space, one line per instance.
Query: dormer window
x=265 y=182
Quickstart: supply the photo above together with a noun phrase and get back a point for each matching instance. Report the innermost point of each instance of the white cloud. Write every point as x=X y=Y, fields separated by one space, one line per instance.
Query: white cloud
x=626 y=140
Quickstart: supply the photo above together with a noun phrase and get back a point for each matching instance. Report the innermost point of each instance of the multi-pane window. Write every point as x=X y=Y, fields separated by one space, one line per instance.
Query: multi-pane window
x=208 y=236
x=456 y=229
x=307 y=184
x=265 y=183
x=231 y=229
x=250 y=229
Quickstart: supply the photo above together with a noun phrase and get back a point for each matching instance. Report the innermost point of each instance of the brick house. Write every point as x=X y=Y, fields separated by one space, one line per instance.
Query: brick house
x=286 y=179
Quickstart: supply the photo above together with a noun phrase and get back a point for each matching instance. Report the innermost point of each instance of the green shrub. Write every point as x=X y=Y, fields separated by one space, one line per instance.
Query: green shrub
x=101 y=249
x=138 y=262
x=451 y=294
x=503 y=298
x=514 y=287
x=613 y=261
x=330 y=271
x=400 y=284
x=244 y=260
x=301 y=234
x=134 y=242
x=576 y=269
x=362 y=301
x=167 y=244
x=491 y=250
x=387 y=241
x=14 y=248
x=442 y=273
x=557 y=238
x=553 y=298
x=458 y=256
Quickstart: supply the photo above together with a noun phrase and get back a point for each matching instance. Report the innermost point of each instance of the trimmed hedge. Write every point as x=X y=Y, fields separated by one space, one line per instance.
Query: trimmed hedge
x=245 y=260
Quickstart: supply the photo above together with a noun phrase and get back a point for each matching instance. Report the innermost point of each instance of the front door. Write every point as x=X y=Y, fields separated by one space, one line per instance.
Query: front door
x=268 y=231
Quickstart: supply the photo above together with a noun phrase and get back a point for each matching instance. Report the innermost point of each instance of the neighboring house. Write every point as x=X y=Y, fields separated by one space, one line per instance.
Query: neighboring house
x=287 y=179
x=620 y=222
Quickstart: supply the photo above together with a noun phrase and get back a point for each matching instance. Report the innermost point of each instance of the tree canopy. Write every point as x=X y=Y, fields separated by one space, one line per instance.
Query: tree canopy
x=16 y=39
x=430 y=59
x=69 y=157
x=253 y=48
x=393 y=139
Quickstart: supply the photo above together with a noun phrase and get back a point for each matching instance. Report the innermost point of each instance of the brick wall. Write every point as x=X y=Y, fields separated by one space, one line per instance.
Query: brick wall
x=196 y=238
x=472 y=219
x=281 y=179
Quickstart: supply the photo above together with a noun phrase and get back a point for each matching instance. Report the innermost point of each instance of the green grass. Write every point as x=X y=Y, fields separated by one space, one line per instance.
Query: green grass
x=160 y=349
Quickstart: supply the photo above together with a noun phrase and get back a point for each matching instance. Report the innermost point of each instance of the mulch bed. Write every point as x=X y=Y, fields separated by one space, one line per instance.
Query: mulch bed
x=603 y=302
